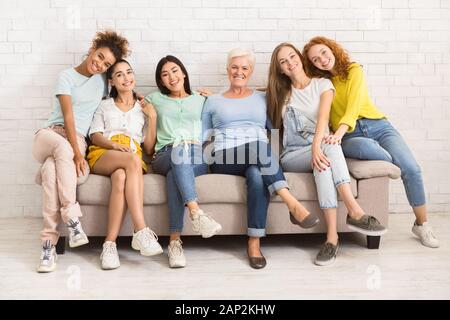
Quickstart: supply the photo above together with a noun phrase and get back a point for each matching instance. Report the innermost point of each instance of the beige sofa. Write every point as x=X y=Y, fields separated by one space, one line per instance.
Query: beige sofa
x=224 y=197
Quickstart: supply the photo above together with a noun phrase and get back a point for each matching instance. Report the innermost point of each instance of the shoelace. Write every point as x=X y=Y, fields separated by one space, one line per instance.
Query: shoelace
x=110 y=249
x=176 y=249
x=149 y=235
x=74 y=227
x=429 y=233
x=47 y=250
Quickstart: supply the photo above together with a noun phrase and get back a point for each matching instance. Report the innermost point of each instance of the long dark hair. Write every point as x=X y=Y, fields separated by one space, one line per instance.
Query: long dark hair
x=279 y=87
x=159 y=83
x=113 y=92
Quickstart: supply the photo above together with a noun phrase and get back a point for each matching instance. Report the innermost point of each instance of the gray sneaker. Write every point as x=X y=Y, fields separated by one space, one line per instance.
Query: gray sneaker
x=327 y=254
x=367 y=225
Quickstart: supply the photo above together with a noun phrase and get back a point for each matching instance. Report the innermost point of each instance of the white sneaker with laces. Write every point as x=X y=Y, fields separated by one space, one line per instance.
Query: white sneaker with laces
x=110 y=256
x=48 y=258
x=146 y=241
x=425 y=234
x=77 y=237
x=176 y=254
x=203 y=224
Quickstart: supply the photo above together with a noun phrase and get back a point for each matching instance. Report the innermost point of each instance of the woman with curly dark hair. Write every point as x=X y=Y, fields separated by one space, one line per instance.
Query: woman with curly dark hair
x=60 y=146
x=363 y=130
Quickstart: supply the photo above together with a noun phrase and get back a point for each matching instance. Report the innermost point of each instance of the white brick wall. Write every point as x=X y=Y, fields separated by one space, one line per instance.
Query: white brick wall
x=404 y=46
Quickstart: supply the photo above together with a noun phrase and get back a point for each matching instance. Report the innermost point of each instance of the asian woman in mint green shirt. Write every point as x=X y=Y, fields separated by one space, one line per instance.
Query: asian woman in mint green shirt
x=178 y=151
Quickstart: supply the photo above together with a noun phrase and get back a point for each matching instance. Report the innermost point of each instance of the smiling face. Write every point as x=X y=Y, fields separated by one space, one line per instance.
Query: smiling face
x=239 y=72
x=122 y=77
x=172 y=77
x=289 y=62
x=99 y=60
x=321 y=57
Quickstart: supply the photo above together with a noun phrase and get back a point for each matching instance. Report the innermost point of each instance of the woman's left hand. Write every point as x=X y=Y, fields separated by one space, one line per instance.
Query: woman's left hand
x=332 y=139
x=148 y=109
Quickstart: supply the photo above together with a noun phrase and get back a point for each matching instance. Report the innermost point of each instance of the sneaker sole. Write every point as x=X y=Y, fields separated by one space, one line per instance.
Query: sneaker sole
x=176 y=265
x=78 y=243
x=366 y=232
x=213 y=233
x=110 y=268
x=146 y=254
x=46 y=270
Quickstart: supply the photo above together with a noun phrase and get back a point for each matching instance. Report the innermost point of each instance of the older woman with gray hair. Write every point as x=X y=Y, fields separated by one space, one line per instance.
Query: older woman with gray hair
x=237 y=121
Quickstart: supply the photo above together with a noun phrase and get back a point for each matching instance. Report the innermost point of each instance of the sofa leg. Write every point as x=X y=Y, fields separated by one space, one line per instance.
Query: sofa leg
x=373 y=242
x=61 y=245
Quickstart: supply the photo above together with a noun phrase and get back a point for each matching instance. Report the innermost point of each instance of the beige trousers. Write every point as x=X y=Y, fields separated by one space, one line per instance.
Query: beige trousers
x=59 y=178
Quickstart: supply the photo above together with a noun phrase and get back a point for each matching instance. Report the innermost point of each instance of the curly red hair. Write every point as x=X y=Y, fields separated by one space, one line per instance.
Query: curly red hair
x=341 y=65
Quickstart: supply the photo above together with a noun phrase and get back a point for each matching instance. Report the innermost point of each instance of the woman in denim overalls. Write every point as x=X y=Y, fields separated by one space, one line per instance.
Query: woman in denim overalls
x=300 y=106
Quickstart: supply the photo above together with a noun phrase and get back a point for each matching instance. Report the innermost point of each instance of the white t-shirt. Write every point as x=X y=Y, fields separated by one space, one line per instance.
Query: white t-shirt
x=307 y=100
x=111 y=121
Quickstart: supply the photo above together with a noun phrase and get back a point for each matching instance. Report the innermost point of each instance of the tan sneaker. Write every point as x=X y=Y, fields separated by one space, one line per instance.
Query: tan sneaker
x=203 y=224
x=426 y=235
x=176 y=254
x=146 y=241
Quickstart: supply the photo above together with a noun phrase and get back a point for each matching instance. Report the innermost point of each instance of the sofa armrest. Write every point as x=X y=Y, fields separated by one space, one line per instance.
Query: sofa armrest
x=365 y=169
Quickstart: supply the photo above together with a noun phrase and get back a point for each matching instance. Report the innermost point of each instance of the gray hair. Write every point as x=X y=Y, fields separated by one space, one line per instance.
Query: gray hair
x=237 y=52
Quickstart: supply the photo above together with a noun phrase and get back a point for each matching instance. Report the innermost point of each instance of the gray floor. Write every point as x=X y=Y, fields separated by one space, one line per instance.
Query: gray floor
x=218 y=269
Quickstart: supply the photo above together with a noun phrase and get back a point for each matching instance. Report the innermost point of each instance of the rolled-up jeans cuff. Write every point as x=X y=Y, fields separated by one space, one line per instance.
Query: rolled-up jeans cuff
x=277 y=185
x=175 y=230
x=190 y=200
x=337 y=184
x=257 y=233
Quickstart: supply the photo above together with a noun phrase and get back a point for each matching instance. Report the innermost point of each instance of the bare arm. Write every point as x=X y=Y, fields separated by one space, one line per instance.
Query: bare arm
x=69 y=125
x=150 y=136
x=319 y=160
x=98 y=139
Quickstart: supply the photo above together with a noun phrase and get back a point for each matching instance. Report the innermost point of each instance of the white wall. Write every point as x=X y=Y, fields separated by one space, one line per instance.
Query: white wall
x=403 y=45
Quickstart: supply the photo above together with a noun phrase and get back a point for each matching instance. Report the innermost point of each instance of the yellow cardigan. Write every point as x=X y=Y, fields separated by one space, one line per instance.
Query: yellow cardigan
x=352 y=101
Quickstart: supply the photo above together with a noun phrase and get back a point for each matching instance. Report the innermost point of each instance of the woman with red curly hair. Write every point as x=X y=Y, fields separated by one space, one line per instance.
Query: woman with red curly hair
x=363 y=130
x=60 y=146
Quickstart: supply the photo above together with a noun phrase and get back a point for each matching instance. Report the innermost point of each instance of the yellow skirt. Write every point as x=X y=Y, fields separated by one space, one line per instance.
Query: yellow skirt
x=96 y=152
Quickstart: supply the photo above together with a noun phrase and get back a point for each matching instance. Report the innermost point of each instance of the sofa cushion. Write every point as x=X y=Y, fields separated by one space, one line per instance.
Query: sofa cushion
x=96 y=190
x=365 y=169
x=211 y=188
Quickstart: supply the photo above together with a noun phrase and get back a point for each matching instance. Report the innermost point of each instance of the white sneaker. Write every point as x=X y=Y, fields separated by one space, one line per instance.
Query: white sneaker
x=176 y=254
x=109 y=257
x=48 y=259
x=77 y=237
x=203 y=224
x=146 y=241
x=425 y=234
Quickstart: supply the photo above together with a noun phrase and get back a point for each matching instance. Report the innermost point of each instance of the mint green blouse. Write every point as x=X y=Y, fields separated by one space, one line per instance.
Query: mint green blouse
x=178 y=119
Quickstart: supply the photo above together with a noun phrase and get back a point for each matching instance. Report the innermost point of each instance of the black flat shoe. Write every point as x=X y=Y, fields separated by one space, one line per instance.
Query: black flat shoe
x=257 y=262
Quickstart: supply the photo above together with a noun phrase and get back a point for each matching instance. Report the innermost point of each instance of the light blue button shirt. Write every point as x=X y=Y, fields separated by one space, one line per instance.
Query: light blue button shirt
x=86 y=94
x=234 y=122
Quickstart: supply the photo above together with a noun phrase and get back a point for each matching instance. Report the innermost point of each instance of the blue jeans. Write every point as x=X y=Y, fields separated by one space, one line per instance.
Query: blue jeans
x=379 y=140
x=263 y=175
x=180 y=165
x=299 y=160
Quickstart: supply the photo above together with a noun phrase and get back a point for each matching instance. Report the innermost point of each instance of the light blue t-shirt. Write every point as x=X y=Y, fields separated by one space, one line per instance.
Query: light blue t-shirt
x=234 y=122
x=86 y=94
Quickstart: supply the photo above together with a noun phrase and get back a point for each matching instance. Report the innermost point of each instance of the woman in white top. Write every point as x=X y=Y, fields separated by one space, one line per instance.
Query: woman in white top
x=300 y=107
x=119 y=127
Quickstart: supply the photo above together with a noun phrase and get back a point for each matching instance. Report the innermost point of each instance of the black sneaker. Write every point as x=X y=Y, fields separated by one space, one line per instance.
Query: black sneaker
x=327 y=254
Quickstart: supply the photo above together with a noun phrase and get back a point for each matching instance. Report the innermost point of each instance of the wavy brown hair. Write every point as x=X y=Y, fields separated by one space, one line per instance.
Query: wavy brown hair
x=341 y=55
x=115 y=42
x=279 y=87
